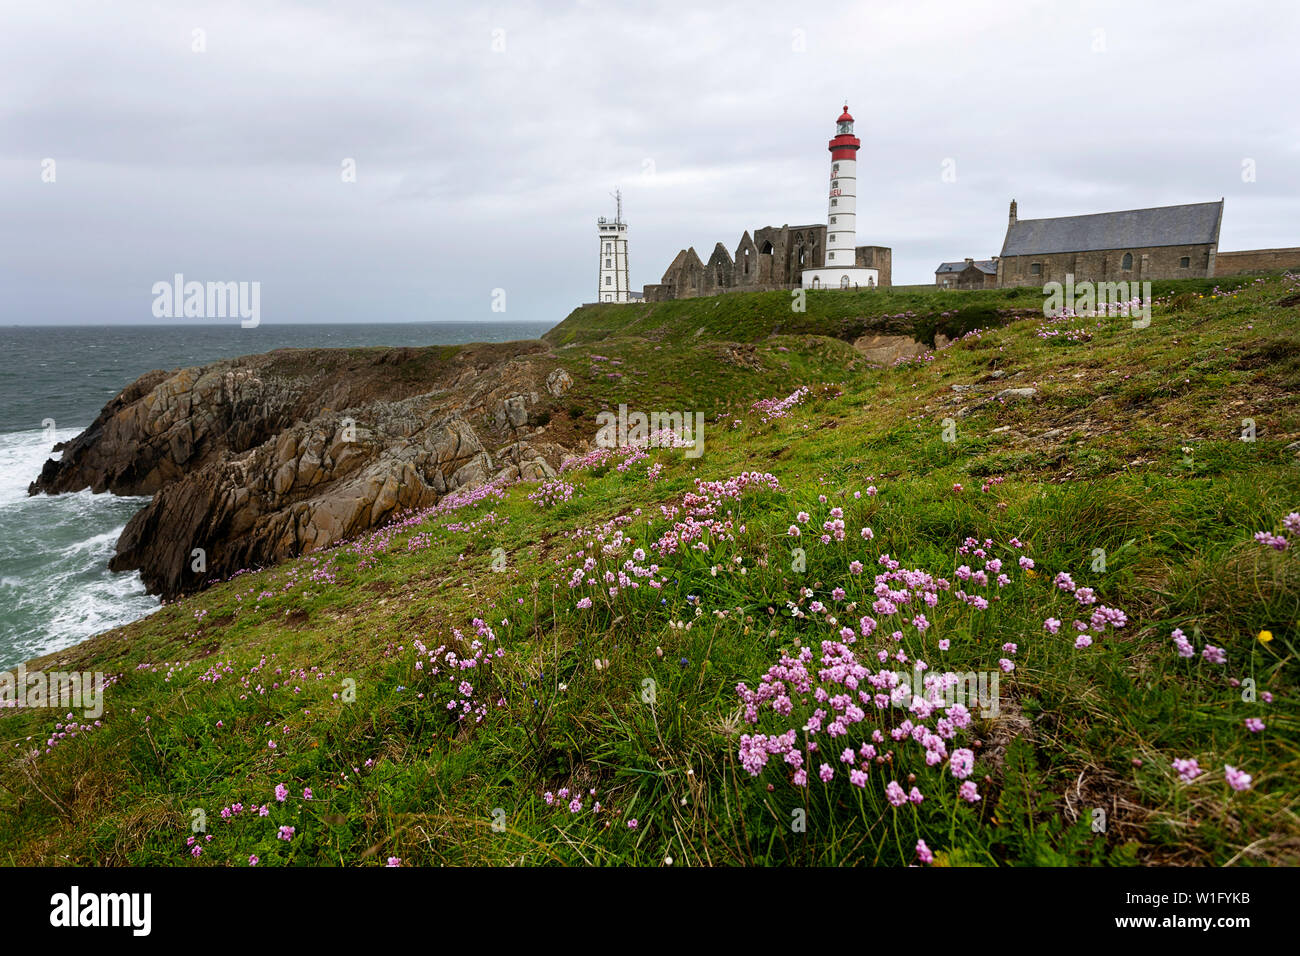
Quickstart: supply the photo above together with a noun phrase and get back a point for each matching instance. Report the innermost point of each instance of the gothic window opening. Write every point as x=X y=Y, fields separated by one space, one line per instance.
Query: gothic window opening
x=1127 y=262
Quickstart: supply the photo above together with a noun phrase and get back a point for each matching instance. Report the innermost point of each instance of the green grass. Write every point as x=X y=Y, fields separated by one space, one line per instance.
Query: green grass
x=1131 y=445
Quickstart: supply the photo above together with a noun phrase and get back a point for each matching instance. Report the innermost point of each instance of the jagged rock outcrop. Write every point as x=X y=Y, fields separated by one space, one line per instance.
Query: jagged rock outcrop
x=259 y=459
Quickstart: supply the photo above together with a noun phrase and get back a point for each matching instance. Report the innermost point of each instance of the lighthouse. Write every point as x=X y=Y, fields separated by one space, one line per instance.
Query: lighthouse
x=611 y=281
x=840 y=270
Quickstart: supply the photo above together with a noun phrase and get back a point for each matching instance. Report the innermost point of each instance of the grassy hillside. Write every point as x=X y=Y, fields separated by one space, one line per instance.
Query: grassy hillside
x=432 y=683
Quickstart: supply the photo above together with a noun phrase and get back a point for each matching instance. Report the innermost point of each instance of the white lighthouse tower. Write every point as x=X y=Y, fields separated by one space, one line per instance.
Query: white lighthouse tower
x=840 y=270
x=612 y=284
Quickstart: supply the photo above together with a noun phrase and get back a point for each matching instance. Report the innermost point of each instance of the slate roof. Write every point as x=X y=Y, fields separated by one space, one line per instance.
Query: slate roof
x=986 y=266
x=1190 y=224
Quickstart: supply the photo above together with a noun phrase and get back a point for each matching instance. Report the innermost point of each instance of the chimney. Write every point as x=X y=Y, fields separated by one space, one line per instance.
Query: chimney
x=1011 y=217
x=969 y=260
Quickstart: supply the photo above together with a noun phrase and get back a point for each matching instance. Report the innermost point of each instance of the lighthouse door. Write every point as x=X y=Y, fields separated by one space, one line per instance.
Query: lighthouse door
x=844 y=282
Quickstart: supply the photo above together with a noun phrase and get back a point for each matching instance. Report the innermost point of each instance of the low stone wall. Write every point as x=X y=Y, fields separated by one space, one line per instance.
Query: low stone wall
x=1256 y=260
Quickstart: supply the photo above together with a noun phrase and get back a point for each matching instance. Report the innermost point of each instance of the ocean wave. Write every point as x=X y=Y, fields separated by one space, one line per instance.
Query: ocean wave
x=54 y=550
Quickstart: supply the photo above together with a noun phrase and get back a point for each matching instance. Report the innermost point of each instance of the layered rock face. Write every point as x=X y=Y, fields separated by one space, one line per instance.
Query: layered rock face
x=259 y=459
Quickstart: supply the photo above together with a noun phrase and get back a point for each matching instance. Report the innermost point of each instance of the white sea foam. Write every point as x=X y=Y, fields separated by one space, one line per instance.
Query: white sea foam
x=54 y=553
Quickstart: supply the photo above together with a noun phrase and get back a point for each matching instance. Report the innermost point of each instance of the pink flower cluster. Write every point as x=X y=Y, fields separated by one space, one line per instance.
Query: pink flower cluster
x=770 y=408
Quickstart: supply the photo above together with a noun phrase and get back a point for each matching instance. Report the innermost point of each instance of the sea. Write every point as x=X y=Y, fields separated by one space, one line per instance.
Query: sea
x=55 y=586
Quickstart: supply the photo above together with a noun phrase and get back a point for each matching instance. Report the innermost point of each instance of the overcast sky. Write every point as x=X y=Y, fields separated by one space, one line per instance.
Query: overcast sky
x=488 y=137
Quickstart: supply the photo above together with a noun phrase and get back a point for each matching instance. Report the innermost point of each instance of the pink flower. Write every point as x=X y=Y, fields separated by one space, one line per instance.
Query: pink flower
x=825 y=771
x=1237 y=779
x=394 y=861
x=1254 y=724
x=285 y=833
x=1215 y=655
x=923 y=853
x=632 y=824
x=281 y=792
x=962 y=763
x=306 y=793
x=1082 y=641
x=1187 y=769
x=859 y=779
x=254 y=860
x=893 y=792
x=1052 y=625
x=969 y=792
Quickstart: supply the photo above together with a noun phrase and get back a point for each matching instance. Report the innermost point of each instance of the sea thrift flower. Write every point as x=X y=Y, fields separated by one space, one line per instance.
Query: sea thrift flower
x=1187 y=769
x=286 y=833
x=969 y=792
x=1215 y=655
x=1237 y=779
x=394 y=861
x=1254 y=724
x=632 y=824
x=281 y=792
x=894 y=793
x=1082 y=641
x=923 y=852
x=254 y=860
x=962 y=763
x=1052 y=625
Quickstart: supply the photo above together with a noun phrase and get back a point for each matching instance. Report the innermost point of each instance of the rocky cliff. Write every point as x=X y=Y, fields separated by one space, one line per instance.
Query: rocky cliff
x=257 y=459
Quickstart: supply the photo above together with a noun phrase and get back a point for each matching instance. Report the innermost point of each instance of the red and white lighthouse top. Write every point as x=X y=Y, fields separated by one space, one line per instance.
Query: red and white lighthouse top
x=845 y=145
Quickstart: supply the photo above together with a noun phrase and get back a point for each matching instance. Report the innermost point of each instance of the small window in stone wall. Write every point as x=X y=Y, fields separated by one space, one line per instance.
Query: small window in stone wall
x=1185 y=262
x=835 y=202
x=1127 y=262
x=1035 y=268
x=832 y=220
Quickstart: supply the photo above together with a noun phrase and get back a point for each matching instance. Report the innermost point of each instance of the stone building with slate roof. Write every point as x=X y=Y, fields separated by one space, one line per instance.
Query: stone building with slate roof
x=1165 y=242
x=967 y=274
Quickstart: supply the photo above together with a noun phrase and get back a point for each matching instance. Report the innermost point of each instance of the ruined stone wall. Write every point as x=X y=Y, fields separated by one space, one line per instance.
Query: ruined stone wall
x=880 y=258
x=774 y=257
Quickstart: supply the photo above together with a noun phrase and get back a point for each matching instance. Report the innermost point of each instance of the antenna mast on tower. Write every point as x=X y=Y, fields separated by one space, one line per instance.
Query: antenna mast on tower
x=618 y=198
